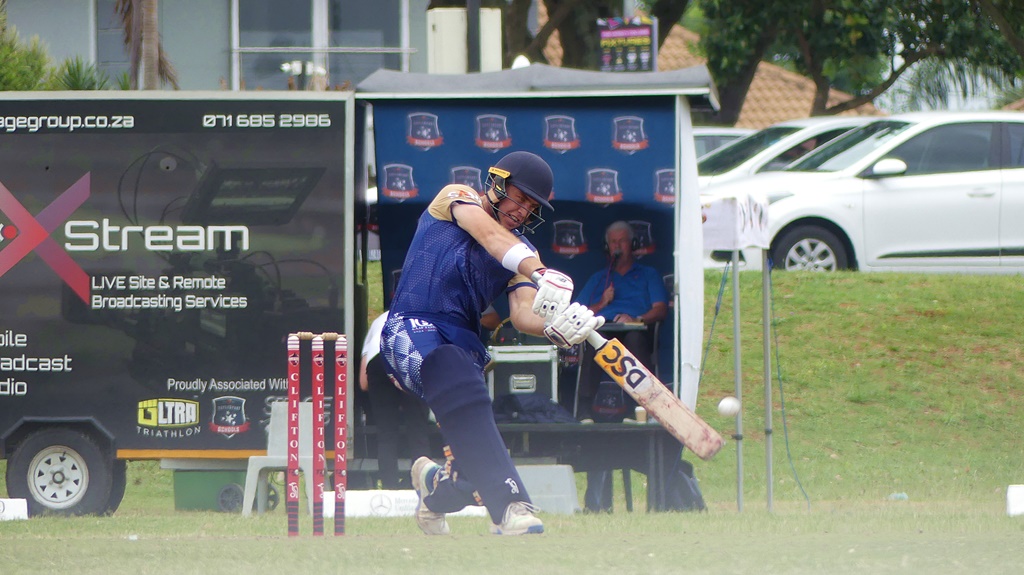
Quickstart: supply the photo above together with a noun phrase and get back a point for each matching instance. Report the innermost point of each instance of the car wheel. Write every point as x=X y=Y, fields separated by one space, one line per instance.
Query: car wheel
x=810 y=248
x=61 y=471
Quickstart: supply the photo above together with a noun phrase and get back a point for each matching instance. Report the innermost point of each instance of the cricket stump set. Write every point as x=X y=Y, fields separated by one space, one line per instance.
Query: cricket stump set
x=613 y=357
x=318 y=363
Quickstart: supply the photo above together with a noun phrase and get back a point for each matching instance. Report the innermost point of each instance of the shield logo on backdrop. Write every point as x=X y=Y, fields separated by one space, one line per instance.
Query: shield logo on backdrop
x=560 y=133
x=229 y=416
x=569 y=240
x=492 y=132
x=665 y=186
x=643 y=240
x=629 y=134
x=423 y=131
x=398 y=182
x=467 y=176
x=603 y=186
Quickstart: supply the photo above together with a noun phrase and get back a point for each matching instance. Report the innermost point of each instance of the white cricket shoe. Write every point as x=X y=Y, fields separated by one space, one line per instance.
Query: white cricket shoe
x=430 y=522
x=519 y=519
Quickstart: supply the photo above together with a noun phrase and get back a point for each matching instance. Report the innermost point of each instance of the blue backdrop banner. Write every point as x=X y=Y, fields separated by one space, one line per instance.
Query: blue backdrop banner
x=612 y=159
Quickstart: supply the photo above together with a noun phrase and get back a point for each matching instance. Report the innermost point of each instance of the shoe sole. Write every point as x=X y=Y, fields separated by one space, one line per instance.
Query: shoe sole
x=531 y=530
x=417 y=484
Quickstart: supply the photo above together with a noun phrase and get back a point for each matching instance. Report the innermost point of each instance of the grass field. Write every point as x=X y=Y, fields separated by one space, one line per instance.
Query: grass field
x=894 y=384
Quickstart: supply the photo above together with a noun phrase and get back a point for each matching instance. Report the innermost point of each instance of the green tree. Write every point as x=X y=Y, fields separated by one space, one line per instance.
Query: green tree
x=1008 y=16
x=22 y=66
x=77 y=74
x=845 y=34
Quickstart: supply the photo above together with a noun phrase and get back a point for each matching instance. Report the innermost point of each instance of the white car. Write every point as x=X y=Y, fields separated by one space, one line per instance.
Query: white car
x=772 y=148
x=707 y=139
x=935 y=191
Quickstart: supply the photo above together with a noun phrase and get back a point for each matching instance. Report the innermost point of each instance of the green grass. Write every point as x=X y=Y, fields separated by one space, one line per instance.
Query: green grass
x=893 y=384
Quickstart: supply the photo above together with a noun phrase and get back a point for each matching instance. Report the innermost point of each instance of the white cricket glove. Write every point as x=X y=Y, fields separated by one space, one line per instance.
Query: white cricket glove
x=573 y=326
x=554 y=292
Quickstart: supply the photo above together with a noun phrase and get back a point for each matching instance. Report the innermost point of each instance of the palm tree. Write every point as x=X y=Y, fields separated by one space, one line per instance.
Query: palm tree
x=941 y=84
x=142 y=39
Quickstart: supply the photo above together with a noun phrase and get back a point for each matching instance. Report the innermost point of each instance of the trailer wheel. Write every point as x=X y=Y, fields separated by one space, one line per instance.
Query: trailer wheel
x=119 y=481
x=61 y=471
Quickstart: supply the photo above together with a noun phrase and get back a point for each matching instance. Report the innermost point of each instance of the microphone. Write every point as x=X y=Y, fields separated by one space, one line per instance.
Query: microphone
x=615 y=255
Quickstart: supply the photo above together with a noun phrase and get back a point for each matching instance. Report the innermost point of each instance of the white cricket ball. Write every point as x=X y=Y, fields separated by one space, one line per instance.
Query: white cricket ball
x=729 y=406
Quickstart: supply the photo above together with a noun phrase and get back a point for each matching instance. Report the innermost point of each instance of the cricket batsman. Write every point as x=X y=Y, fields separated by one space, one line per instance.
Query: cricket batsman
x=467 y=250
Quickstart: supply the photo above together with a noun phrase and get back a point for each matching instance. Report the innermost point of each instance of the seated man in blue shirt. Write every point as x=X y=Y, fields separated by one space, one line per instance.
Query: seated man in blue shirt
x=625 y=292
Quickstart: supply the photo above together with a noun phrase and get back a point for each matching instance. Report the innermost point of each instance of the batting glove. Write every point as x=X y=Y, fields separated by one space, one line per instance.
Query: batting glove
x=554 y=291
x=573 y=326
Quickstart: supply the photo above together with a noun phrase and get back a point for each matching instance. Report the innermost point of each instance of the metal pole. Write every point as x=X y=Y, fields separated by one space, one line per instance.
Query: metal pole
x=473 y=35
x=766 y=302
x=737 y=352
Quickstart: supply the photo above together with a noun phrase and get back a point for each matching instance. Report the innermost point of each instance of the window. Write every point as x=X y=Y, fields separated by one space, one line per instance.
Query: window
x=111 y=54
x=953 y=148
x=1015 y=148
x=370 y=32
x=335 y=42
x=265 y=24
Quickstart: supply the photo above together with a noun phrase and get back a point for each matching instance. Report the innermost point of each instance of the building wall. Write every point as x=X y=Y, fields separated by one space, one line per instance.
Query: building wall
x=418 y=35
x=57 y=23
x=196 y=36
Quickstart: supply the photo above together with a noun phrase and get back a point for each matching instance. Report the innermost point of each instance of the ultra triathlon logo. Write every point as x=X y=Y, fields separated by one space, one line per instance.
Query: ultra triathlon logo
x=26 y=233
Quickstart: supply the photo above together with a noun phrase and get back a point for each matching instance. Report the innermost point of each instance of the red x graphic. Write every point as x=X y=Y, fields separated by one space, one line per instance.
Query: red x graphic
x=34 y=234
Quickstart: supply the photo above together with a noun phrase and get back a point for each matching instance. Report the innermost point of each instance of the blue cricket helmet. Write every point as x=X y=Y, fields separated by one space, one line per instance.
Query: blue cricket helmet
x=528 y=172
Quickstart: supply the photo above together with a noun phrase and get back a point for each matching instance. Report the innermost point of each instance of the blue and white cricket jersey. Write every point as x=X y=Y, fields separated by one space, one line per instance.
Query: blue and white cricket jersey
x=447 y=281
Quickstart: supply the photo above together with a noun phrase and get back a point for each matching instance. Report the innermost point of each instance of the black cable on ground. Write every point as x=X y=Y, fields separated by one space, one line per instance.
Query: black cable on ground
x=714 y=318
x=782 y=395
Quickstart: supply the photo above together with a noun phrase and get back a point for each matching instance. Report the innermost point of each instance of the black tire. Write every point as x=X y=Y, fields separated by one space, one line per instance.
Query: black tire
x=62 y=472
x=273 y=498
x=118 y=484
x=230 y=498
x=810 y=248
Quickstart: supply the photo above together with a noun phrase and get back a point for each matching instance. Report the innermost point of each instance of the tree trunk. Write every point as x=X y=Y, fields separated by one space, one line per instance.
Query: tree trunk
x=150 y=45
x=731 y=96
x=668 y=13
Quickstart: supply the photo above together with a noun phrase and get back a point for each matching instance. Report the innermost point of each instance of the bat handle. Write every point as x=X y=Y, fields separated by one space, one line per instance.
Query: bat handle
x=596 y=340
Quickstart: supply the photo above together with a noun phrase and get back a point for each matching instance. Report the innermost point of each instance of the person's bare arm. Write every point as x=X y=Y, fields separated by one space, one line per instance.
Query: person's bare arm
x=520 y=305
x=364 y=383
x=657 y=313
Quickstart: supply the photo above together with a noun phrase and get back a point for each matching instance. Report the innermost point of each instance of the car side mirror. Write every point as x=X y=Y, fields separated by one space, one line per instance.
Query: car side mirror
x=887 y=167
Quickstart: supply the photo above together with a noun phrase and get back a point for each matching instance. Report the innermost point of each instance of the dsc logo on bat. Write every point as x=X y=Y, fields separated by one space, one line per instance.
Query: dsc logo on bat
x=622 y=365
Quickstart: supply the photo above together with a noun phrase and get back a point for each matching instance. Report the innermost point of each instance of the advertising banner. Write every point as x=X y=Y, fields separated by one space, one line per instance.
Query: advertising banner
x=154 y=255
x=628 y=45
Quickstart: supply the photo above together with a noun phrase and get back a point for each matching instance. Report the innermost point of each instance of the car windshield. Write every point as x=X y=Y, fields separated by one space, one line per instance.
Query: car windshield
x=847 y=149
x=728 y=157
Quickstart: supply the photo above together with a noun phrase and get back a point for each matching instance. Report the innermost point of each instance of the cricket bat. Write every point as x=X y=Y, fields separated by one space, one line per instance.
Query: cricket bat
x=659 y=401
